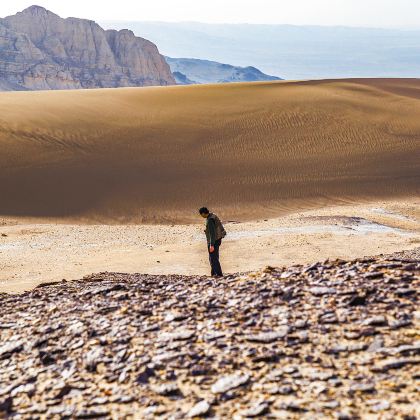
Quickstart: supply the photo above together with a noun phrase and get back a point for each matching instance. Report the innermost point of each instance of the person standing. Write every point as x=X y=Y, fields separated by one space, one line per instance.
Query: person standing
x=215 y=232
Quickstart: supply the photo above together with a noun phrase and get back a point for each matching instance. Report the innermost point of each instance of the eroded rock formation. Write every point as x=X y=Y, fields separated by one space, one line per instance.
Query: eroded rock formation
x=40 y=50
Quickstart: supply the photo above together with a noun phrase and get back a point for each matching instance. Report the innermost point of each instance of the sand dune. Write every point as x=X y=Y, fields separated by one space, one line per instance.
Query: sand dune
x=157 y=154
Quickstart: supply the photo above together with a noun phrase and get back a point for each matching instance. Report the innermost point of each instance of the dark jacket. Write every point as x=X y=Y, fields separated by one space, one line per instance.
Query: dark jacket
x=214 y=229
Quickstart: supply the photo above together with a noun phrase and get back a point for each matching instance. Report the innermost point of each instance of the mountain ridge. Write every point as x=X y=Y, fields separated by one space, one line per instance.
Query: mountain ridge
x=39 y=50
x=292 y=52
x=196 y=71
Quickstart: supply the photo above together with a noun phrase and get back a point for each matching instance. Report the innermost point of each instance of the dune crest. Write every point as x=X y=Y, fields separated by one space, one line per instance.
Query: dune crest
x=251 y=149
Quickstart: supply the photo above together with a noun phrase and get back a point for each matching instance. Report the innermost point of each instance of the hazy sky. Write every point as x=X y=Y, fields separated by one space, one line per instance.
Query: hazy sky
x=377 y=13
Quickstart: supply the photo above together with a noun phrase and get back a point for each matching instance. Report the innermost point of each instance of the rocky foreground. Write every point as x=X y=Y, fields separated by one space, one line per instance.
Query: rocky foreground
x=331 y=340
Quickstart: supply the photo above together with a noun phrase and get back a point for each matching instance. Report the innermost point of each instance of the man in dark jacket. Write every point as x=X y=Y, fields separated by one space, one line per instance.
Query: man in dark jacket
x=215 y=232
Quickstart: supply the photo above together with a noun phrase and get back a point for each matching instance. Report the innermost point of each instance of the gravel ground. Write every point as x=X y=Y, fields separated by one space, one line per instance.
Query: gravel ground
x=338 y=339
x=412 y=254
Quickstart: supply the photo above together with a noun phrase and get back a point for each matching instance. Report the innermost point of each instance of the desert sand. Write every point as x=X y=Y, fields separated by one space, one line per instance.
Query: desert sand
x=35 y=252
x=252 y=150
x=111 y=179
x=109 y=182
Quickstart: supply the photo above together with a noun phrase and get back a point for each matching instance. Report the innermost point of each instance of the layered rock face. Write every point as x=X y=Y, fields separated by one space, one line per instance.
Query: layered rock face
x=40 y=50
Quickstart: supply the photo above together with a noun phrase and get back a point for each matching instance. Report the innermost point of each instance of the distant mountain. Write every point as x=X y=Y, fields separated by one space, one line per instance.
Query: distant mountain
x=40 y=50
x=9 y=86
x=189 y=71
x=292 y=52
x=182 y=79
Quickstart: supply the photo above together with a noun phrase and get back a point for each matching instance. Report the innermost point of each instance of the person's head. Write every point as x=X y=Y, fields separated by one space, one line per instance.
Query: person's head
x=204 y=212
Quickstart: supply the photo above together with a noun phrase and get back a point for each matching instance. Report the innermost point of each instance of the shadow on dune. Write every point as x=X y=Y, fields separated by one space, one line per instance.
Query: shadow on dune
x=150 y=155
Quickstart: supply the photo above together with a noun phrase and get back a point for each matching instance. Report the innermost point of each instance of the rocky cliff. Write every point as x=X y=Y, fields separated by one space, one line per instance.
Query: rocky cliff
x=189 y=71
x=40 y=50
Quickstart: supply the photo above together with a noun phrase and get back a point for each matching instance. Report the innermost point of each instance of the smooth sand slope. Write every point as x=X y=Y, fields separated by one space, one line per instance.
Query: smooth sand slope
x=251 y=150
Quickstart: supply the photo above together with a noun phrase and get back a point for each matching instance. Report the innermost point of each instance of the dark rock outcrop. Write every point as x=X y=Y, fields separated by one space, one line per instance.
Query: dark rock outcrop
x=40 y=50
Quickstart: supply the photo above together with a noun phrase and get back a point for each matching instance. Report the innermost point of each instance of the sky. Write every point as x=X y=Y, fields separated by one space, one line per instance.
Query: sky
x=373 y=13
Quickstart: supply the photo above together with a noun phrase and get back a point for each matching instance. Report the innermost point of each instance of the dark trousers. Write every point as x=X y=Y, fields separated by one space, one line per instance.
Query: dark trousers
x=216 y=269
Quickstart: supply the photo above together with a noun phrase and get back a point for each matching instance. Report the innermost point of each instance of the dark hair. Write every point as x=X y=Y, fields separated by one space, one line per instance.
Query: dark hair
x=204 y=210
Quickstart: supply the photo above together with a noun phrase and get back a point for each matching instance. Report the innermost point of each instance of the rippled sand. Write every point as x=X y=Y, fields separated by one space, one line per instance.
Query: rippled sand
x=252 y=150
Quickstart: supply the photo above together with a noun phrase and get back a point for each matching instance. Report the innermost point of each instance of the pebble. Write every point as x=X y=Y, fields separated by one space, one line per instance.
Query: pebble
x=386 y=365
x=268 y=337
x=256 y=410
x=92 y=358
x=165 y=389
x=229 y=382
x=340 y=348
x=376 y=345
x=9 y=348
x=376 y=320
x=177 y=335
x=320 y=291
x=282 y=390
x=381 y=406
x=373 y=275
x=362 y=387
x=200 y=409
x=91 y=413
